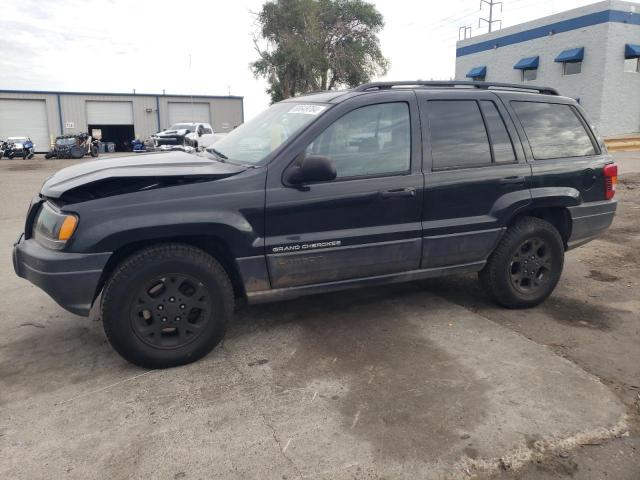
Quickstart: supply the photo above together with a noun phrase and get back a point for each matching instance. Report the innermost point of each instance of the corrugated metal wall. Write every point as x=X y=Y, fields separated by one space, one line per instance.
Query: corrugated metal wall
x=226 y=112
x=51 y=101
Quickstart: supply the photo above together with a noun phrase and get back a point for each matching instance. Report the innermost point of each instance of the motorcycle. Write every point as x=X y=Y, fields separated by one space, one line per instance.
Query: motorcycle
x=19 y=146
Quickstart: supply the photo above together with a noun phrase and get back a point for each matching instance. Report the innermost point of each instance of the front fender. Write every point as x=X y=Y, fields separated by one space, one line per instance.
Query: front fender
x=231 y=209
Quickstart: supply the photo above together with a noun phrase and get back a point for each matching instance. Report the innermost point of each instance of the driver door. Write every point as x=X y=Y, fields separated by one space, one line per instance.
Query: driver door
x=366 y=222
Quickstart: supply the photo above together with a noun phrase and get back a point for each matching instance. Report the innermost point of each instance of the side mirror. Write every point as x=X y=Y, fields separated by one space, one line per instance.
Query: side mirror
x=313 y=168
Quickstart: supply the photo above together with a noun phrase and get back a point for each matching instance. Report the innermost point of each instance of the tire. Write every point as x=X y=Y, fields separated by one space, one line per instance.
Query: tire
x=94 y=151
x=508 y=277
x=157 y=333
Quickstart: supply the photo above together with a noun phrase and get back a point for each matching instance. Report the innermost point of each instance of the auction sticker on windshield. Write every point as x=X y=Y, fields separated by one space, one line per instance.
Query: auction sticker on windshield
x=308 y=109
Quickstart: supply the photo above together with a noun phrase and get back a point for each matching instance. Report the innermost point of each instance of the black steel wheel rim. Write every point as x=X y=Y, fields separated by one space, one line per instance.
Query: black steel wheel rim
x=531 y=266
x=171 y=311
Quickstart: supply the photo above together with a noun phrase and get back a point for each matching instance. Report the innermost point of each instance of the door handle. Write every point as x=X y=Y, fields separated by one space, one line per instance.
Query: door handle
x=398 y=193
x=515 y=180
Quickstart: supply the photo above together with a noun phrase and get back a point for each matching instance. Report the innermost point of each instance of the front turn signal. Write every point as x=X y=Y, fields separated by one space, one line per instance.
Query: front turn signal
x=68 y=227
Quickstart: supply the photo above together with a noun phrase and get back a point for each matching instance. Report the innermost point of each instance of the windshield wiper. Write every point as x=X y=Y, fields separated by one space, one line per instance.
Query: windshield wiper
x=222 y=158
x=218 y=153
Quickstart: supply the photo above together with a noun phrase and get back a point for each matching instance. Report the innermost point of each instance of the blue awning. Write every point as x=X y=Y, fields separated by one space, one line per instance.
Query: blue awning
x=631 y=51
x=529 y=63
x=571 y=55
x=477 y=72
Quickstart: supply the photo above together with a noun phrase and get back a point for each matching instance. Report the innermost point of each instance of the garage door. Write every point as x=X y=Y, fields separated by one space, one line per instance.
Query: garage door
x=109 y=113
x=188 y=112
x=20 y=118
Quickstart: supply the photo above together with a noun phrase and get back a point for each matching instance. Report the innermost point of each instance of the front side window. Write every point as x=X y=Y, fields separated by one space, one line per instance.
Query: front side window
x=571 y=68
x=553 y=130
x=632 y=65
x=458 y=136
x=370 y=140
x=529 y=75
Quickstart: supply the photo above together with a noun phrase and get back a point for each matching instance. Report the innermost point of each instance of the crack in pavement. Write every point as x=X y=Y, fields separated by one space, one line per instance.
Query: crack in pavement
x=262 y=415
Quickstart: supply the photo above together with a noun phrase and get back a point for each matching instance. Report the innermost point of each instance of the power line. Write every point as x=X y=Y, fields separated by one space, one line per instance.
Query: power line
x=490 y=21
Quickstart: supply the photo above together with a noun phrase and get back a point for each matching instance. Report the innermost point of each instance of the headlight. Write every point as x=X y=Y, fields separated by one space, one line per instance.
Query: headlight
x=52 y=228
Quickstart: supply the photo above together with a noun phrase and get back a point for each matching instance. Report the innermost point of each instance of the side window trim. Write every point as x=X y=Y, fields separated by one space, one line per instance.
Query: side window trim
x=506 y=129
x=487 y=132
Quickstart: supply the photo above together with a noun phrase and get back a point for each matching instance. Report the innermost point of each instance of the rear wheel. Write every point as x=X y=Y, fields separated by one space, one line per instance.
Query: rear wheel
x=526 y=265
x=167 y=306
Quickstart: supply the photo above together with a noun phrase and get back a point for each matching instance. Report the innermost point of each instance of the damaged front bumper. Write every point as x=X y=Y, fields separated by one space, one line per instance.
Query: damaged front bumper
x=71 y=279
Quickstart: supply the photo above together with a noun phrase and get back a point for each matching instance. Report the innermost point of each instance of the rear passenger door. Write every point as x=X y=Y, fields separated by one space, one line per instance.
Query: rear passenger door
x=476 y=176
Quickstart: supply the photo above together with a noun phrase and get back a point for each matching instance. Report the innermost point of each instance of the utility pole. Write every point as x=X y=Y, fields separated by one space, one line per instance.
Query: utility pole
x=490 y=21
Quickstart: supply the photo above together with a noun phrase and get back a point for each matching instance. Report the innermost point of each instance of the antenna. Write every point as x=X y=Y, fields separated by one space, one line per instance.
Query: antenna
x=462 y=32
x=490 y=21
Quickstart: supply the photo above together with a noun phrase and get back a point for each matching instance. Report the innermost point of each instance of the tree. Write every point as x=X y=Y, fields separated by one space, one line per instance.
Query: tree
x=310 y=45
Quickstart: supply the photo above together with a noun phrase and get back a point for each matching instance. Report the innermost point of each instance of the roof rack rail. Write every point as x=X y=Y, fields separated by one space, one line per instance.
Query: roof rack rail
x=455 y=83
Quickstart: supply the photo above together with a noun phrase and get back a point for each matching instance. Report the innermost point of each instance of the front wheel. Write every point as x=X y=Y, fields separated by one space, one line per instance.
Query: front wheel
x=166 y=306
x=525 y=267
x=94 y=151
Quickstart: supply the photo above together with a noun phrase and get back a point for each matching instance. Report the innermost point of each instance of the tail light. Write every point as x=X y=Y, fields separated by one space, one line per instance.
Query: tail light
x=610 y=180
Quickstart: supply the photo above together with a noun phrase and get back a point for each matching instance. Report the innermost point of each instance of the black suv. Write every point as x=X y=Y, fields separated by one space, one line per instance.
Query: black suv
x=384 y=183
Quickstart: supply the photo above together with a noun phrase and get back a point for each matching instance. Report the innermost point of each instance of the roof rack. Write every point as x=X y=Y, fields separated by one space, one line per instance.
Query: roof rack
x=455 y=83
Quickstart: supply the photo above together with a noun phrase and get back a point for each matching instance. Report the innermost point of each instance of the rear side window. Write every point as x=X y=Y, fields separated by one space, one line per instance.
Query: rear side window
x=500 y=140
x=553 y=130
x=458 y=136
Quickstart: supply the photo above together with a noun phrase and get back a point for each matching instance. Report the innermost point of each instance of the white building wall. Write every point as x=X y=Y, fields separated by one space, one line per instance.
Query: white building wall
x=621 y=90
x=610 y=97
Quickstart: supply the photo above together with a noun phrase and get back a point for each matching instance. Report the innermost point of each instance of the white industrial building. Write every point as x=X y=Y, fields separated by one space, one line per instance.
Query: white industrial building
x=591 y=54
x=120 y=117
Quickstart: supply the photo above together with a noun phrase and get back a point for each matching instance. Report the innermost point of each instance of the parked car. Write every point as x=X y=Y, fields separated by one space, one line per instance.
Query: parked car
x=20 y=147
x=196 y=135
x=384 y=183
x=73 y=146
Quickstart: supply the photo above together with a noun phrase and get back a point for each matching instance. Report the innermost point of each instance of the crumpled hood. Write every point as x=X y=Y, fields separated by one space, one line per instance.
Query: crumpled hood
x=152 y=165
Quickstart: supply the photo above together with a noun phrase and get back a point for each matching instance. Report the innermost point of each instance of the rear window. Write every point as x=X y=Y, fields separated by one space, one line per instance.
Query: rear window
x=553 y=130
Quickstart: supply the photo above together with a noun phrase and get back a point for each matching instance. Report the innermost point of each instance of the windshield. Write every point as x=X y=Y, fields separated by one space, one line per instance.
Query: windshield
x=65 y=141
x=183 y=126
x=254 y=140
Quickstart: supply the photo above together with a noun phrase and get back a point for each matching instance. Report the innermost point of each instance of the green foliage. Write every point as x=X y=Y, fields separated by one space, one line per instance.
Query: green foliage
x=310 y=45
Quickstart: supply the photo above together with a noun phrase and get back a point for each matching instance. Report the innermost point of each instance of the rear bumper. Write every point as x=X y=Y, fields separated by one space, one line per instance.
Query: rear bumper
x=589 y=220
x=70 y=279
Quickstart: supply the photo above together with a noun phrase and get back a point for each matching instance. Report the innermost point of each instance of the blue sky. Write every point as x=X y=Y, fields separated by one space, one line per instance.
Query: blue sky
x=119 y=45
